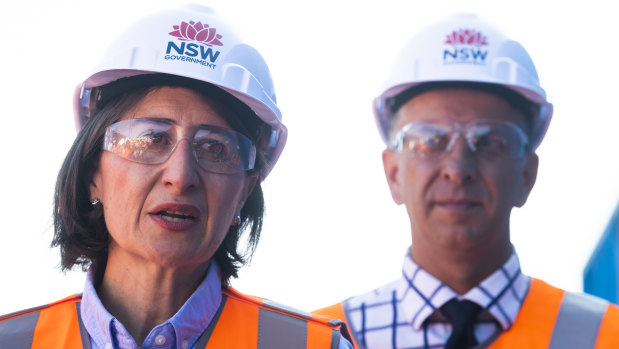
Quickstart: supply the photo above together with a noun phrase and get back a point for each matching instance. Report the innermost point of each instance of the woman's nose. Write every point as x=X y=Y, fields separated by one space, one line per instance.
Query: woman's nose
x=181 y=171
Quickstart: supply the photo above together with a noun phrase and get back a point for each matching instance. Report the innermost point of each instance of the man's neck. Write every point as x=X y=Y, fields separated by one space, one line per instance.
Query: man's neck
x=460 y=269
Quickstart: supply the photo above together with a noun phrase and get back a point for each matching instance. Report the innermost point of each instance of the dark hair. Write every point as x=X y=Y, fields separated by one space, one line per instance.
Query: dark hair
x=79 y=227
x=515 y=99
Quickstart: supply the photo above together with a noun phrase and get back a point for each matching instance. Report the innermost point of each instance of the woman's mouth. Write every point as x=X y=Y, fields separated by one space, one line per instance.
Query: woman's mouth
x=175 y=217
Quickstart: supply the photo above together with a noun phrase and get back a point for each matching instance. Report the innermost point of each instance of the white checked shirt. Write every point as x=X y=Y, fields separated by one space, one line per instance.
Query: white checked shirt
x=405 y=313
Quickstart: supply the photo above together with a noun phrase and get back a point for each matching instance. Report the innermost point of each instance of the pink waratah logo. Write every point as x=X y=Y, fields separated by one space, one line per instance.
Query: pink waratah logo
x=466 y=37
x=199 y=32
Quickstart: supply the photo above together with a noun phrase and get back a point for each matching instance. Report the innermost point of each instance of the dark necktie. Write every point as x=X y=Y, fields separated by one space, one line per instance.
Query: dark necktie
x=462 y=315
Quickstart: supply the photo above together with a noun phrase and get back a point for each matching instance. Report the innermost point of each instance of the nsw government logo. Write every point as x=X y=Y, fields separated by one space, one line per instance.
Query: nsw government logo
x=195 y=44
x=465 y=46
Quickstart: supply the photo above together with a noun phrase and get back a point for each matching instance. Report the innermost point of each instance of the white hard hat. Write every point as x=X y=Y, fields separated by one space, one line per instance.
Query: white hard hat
x=465 y=49
x=191 y=42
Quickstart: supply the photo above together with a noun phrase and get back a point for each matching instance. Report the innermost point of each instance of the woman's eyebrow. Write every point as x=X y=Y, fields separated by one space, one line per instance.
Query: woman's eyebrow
x=156 y=118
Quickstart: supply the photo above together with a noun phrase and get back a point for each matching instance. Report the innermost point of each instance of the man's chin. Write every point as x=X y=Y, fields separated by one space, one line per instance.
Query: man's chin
x=459 y=237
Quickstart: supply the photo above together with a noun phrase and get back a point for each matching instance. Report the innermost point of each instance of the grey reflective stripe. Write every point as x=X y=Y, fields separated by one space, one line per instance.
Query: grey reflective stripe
x=286 y=308
x=83 y=332
x=276 y=330
x=17 y=333
x=578 y=322
x=335 y=339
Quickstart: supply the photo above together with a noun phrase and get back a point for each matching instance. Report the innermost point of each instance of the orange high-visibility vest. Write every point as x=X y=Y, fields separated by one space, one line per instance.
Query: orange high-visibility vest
x=240 y=322
x=549 y=318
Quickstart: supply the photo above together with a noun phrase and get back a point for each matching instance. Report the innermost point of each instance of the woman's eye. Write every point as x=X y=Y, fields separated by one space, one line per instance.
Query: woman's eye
x=154 y=137
x=214 y=149
x=149 y=142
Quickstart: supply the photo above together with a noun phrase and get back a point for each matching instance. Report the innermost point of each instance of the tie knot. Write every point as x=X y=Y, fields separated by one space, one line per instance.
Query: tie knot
x=460 y=312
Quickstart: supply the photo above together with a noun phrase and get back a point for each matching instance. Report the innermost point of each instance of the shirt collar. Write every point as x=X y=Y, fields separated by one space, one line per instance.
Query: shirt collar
x=186 y=325
x=501 y=294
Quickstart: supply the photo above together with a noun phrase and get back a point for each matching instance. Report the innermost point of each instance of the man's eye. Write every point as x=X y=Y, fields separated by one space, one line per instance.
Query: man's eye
x=428 y=143
x=492 y=143
x=436 y=141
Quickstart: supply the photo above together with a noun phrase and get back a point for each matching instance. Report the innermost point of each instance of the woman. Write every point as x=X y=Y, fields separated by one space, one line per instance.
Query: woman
x=178 y=127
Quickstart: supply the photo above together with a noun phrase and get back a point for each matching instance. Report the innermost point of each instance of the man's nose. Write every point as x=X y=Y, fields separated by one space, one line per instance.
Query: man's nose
x=459 y=163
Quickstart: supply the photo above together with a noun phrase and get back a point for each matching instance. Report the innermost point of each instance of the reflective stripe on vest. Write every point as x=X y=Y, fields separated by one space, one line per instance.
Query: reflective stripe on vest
x=294 y=331
x=578 y=322
x=18 y=332
x=275 y=328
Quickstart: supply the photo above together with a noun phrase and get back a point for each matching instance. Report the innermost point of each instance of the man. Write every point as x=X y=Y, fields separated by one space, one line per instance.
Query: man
x=462 y=118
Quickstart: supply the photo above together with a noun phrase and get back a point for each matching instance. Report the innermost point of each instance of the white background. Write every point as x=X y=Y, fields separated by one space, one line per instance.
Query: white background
x=331 y=230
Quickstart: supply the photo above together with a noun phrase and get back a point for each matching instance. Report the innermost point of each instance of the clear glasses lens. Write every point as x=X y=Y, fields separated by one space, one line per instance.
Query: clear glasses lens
x=487 y=138
x=149 y=141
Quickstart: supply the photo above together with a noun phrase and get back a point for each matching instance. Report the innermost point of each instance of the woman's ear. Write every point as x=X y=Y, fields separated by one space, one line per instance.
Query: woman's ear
x=95 y=187
x=250 y=182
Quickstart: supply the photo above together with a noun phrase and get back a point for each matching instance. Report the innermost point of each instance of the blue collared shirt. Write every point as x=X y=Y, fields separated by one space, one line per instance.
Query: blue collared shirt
x=181 y=331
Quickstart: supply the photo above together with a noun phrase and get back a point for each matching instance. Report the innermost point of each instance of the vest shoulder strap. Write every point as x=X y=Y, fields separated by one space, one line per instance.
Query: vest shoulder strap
x=267 y=324
x=54 y=325
x=340 y=311
x=578 y=322
x=553 y=318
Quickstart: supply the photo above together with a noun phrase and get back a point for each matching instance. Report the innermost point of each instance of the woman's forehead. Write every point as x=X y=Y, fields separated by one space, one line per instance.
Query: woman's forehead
x=178 y=105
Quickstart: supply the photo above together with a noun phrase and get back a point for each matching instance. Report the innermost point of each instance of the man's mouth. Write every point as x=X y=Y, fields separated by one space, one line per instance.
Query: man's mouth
x=457 y=204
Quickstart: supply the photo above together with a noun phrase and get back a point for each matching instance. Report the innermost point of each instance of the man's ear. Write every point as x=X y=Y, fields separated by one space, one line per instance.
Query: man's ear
x=529 y=175
x=392 y=168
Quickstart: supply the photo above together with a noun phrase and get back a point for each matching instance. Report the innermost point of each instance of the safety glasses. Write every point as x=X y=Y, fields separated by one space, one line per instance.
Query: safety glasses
x=485 y=137
x=152 y=141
